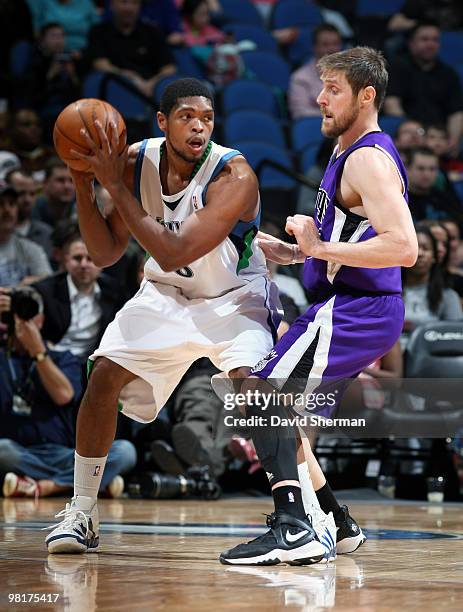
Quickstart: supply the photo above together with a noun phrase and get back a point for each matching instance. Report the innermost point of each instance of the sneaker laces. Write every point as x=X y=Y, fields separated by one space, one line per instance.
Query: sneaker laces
x=70 y=515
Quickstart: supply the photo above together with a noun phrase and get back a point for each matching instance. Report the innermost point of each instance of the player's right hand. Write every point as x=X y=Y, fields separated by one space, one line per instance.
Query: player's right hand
x=277 y=250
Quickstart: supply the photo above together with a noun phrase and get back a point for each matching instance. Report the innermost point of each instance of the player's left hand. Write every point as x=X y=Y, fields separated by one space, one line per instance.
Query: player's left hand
x=106 y=163
x=303 y=228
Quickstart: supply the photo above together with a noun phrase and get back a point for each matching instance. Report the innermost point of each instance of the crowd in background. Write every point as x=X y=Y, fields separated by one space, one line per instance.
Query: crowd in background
x=47 y=52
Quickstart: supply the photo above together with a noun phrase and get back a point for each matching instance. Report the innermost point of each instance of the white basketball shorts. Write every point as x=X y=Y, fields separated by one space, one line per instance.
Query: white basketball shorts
x=159 y=333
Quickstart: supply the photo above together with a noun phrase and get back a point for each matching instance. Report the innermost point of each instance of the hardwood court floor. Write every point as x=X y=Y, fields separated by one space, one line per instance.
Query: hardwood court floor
x=162 y=555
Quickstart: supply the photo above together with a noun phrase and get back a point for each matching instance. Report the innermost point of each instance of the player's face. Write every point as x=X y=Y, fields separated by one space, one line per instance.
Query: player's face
x=79 y=265
x=338 y=105
x=188 y=127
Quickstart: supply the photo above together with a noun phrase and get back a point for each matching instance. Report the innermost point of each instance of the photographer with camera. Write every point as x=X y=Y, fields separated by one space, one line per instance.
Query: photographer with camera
x=21 y=261
x=39 y=391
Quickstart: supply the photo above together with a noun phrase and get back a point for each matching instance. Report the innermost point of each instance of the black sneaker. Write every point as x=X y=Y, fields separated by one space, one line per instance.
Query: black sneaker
x=290 y=540
x=349 y=536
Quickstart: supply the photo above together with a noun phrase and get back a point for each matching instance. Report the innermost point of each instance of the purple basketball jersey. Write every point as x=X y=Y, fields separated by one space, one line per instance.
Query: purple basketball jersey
x=337 y=224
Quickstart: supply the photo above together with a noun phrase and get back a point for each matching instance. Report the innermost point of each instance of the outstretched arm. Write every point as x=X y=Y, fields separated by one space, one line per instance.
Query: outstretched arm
x=231 y=197
x=369 y=174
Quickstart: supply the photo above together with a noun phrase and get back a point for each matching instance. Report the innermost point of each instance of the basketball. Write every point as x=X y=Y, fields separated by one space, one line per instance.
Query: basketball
x=82 y=114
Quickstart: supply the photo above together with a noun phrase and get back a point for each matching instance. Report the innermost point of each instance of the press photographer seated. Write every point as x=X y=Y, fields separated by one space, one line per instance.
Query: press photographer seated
x=39 y=389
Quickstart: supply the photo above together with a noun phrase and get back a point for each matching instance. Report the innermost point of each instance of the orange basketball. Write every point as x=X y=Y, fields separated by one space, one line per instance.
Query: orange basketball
x=82 y=114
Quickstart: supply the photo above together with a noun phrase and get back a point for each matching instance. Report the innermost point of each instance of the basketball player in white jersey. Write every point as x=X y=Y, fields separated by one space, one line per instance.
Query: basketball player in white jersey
x=194 y=206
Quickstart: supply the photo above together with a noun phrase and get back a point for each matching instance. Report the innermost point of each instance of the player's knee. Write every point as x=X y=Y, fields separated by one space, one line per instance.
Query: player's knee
x=108 y=378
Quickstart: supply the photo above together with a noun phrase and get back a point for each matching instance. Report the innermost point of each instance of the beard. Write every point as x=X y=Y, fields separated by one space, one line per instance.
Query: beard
x=341 y=124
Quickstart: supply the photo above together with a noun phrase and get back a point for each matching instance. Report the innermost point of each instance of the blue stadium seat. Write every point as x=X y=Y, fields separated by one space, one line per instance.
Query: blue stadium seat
x=295 y=13
x=261 y=37
x=451 y=47
x=128 y=104
x=186 y=63
x=305 y=132
x=162 y=84
x=253 y=125
x=459 y=189
x=20 y=56
x=269 y=177
x=300 y=50
x=91 y=85
x=267 y=67
x=240 y=11
x=309 y=157
x=247 y=95
x=390 y=124
x=378 y=8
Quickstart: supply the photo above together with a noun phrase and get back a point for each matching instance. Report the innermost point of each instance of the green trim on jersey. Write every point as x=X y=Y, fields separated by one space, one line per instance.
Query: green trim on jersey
x=246 y=255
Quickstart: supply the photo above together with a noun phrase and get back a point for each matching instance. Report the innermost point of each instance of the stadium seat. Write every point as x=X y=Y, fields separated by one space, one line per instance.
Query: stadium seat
x=390 y=124
x=20 y=56
x=305 y=132
x=257 y=34
x=295 y=13
x=267 y=67
x=451 y=47
x=300 y=50
x=378 y=8
x=256 y=152
x=252 y=125
x=91 y=85
x=162 y=84
x=309 y=157
x=247 y=95
x=435 y=350
x=240 y=11
x=186 y=64
x=459 y=69
x=459 y=189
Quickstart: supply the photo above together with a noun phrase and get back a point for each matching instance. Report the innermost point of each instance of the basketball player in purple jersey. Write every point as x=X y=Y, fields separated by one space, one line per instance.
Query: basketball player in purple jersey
x=353 y=249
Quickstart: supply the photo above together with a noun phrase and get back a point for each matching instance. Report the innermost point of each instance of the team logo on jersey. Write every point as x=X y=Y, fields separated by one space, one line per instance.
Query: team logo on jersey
x=263 y=362
x=195 y=202
x=173 y=226
x=321 y=204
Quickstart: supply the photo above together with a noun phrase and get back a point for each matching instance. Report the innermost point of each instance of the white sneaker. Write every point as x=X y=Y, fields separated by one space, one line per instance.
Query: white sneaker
x=325 y=528
x=115 y=488
x=78 y=532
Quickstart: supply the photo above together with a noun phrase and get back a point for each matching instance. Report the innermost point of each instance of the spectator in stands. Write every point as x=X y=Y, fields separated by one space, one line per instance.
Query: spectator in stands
x=21 y=261
x=409 y=134
x=454 y=268
x=26 y=142
x=442 y=235
x=437 y=139
x=129 y=48
x=161 y=13
x=425 y=296
x=51 y=80
x=425 y=200
x=76 y=17
x=17 y=15
x=197 y=27
x=79 y=302
x=447 y=14
x=32 y=229
x=305 y=83
x=424 y=88
x=59 y=195
x=40 y=390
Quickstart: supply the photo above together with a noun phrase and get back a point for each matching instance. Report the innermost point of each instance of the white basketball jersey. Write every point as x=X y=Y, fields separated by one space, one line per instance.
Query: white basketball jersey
x=234 y=262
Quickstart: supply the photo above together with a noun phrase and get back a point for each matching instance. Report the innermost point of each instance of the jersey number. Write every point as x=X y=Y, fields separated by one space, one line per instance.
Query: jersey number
x=185 y=272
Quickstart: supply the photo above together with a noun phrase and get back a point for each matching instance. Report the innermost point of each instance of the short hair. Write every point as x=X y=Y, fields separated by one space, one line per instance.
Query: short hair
x=421 y=24
x=21 y=171
x=189 y=7
x=52 y=163
x=64 y=233
x=324 y=27
x=439 y=127
x=183 y=88
x=362 y=66
x=49 y=26
x=414 y=151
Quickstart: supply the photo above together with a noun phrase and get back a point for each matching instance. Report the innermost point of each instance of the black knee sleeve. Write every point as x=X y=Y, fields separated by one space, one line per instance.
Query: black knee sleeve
x=275 y=444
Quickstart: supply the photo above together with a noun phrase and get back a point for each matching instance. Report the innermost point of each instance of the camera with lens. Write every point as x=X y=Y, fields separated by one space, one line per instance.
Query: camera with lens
x=26 y=303
x=197 y=483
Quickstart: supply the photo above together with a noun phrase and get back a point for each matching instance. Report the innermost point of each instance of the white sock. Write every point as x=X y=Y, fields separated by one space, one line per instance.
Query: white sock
x=88 y=472
x=308 y=494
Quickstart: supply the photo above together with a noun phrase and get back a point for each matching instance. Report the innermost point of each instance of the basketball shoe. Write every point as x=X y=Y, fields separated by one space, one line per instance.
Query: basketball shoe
x=289 y=540
x=78 y=532
x=20 y=486
x=349 y=535
x=325 y=529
